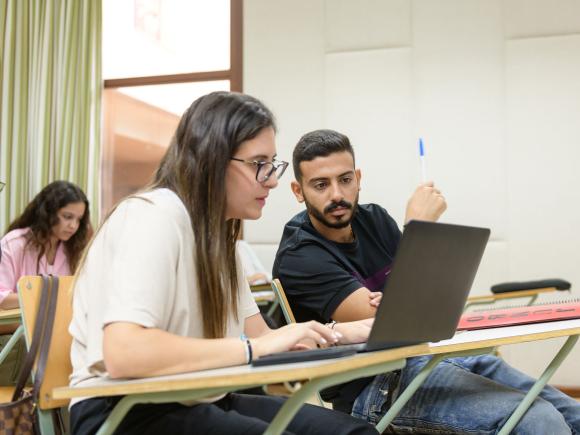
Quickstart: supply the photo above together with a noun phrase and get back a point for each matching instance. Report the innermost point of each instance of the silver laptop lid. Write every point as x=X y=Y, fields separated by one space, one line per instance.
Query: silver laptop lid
x=430 y=280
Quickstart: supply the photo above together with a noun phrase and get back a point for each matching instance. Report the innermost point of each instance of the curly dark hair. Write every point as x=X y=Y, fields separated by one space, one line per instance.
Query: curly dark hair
x=41 y=215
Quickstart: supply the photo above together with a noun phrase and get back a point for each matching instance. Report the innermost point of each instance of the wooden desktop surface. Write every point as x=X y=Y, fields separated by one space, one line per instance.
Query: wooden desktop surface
x=261 y=287
x=240 y=375
x=247 y=375
x=263 y=293
x=13 y=315
x=9 y=321
x=493 y=337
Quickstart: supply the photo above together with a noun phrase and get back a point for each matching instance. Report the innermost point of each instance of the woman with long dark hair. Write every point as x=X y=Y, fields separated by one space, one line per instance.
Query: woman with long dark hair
x=47 y=238
x=161 y=290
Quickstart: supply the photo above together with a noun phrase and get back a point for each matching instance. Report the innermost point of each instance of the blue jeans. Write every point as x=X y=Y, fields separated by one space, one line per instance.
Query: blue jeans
x=469 y=395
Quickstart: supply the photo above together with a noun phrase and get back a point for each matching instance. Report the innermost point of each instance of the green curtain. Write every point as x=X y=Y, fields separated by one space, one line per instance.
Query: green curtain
x=50 y=99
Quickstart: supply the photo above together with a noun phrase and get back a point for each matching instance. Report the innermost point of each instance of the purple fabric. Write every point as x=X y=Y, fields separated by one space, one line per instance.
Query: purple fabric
x=375 y=282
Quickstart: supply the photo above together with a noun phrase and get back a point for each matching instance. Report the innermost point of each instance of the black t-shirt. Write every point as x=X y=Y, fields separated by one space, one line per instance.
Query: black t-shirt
x=318 y=274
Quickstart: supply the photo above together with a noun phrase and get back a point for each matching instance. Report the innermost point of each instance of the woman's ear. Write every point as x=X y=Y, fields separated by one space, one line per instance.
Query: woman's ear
x=297 y=190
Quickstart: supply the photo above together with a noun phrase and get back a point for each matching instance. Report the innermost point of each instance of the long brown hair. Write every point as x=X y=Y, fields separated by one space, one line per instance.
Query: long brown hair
x=41 y=215
x=194 y=167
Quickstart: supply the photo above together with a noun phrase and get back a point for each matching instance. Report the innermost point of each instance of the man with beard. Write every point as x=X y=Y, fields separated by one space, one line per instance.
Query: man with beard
x=333 y=261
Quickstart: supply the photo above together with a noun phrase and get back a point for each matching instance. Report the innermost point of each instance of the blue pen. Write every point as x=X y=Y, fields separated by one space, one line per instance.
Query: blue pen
x=422 y=159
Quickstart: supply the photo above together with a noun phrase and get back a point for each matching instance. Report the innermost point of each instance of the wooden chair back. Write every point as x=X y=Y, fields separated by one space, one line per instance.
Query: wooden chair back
x=286 y=309
x=58 y=367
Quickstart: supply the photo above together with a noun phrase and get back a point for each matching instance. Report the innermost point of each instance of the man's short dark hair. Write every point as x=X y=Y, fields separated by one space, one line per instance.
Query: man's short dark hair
x=318 y=143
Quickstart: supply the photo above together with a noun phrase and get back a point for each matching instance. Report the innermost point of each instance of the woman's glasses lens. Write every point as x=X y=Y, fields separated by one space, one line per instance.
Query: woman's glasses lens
x=267 y=169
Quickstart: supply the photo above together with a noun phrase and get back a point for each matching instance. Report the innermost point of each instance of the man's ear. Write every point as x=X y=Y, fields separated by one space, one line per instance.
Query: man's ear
x=297 y=190
x=358 y=177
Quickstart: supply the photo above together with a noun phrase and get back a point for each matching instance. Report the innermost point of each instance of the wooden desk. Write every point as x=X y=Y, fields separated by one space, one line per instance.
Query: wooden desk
x=322 y=374
x=196 y=385
x=493 y=337
x=466 y=343
x=264 y=296
x=516 y=334
x=8 y=317
x=261 y=287
x=240 y=375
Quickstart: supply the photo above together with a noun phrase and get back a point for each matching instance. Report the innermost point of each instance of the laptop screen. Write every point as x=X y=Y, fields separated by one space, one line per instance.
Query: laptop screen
x=430 y=280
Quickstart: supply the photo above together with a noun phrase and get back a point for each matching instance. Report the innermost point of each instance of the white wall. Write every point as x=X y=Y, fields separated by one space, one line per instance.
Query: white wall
x=492 y=86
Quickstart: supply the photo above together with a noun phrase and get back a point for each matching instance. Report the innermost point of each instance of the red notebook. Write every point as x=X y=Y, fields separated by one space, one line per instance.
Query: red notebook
x=546 y=312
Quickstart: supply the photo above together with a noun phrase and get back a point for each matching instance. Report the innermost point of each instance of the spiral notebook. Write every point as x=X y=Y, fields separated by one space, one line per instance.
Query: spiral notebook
x=563 y=309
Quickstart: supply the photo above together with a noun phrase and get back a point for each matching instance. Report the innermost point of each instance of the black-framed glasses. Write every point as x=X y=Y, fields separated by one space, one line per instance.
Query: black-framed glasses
x=2 y=184
x=264 y=170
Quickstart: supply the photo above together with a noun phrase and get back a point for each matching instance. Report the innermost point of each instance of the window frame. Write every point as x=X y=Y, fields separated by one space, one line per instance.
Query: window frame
x=234 y=74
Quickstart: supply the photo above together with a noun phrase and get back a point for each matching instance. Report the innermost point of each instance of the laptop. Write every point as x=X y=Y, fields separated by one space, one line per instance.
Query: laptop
x=424 y=296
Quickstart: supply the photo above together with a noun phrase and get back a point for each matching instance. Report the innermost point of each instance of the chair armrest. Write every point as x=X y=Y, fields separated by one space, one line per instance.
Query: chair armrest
x=557 y=284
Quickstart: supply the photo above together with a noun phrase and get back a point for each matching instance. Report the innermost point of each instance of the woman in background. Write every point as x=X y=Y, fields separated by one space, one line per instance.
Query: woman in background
x=48 y=238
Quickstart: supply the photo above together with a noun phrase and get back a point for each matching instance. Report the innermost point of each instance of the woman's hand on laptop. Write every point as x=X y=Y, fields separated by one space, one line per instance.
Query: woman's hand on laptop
x=295 y=336
x=354 y=332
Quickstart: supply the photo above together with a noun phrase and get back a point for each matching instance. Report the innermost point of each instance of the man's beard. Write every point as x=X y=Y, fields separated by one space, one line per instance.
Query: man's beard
x=320 y=215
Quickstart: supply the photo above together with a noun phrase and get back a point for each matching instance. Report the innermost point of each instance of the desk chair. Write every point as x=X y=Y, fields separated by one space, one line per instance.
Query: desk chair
x=500 y=292
x=289 y=317
x=58 y=367
x=516 y=290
